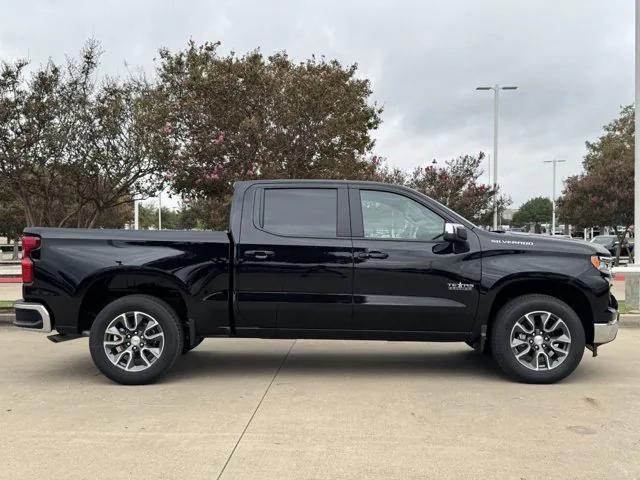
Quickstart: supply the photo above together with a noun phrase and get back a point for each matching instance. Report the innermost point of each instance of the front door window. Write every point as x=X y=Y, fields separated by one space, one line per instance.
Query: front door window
x=387 y=215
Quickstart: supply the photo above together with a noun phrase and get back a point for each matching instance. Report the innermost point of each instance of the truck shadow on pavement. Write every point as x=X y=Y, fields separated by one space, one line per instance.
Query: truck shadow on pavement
x=209 y=363
x=455 y=363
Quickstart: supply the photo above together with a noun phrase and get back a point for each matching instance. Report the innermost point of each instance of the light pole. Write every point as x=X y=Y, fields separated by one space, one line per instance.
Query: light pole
x=553 y=198
x=136 y=215
x=636 y=183
x=496 y=114
x=160 y=210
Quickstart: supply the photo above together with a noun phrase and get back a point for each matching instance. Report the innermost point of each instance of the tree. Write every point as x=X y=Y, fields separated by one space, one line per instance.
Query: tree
x=456 y=186
x=603 y=194
x=231 y=118
x=171 y=219
x=71 y=149
x=12 y=220
x=535 y=210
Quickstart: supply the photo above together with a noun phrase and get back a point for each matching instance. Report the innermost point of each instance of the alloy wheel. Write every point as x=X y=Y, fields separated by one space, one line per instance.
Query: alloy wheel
x=540 y=340
x=133 y=341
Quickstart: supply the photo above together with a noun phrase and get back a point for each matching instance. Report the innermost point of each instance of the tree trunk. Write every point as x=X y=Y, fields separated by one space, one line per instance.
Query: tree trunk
x=15 y=249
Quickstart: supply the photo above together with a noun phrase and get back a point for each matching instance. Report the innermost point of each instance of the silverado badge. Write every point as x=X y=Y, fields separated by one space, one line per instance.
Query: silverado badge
x=463 y=287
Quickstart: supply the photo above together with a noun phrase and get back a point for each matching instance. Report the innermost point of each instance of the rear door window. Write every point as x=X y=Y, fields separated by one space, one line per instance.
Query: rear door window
x=309 y=212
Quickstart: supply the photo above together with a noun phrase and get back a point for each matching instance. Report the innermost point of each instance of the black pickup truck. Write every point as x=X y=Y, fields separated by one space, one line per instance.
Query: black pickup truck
x=325 y=260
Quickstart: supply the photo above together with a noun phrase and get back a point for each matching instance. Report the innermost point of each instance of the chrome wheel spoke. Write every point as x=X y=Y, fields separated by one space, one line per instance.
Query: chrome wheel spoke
x=129 y=360
x=154 y=336
x=534 y=360
x=544 y=318
x=516 y=342
x=154 y=351
x=547 y=364
x=137 y=316
x=129 y=321
x=553 y=327
x=527 y=319
x=144 y=359
x=561 y=338
x=558 y=350
x=150 y=325
x=523 y=353
x=118 y=357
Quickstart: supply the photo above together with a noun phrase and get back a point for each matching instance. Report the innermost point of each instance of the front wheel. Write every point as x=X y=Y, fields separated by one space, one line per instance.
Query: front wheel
x=135 y=339
x=537 y=339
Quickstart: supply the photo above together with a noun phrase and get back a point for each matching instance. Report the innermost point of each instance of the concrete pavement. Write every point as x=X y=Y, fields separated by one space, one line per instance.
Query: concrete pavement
x=276 y=409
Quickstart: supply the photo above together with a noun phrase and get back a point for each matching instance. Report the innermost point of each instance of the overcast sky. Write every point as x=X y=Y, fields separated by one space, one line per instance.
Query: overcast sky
x=572 y=61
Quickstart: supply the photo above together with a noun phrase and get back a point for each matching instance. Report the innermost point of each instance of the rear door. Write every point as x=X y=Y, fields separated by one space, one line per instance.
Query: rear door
x=406 y=277
x=295 y=258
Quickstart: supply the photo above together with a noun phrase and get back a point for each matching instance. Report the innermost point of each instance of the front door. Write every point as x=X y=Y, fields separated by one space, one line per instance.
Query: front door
x=406 y=277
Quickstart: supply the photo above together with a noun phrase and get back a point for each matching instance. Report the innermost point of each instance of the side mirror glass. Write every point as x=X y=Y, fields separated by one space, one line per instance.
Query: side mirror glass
x=454 y=232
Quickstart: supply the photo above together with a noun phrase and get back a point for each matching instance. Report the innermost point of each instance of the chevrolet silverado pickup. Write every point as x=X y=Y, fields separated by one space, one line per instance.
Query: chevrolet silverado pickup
x=320 y=259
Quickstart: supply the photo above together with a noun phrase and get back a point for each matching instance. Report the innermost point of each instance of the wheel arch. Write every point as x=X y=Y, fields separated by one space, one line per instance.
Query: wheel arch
x=560 y=289
x=111 y=285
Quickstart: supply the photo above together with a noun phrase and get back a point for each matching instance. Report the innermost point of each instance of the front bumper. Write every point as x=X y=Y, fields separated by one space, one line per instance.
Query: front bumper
x=605 y=332
x=32 y=316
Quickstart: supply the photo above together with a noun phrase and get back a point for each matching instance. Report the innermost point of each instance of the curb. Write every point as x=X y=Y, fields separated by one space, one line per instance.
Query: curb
x=630 y=320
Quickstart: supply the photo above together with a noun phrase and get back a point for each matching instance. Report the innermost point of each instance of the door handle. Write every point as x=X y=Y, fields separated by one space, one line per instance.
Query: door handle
x=372 y=254
x=259 y=254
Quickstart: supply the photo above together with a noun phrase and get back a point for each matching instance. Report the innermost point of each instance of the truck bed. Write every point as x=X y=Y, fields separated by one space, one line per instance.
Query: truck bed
x=79 y=270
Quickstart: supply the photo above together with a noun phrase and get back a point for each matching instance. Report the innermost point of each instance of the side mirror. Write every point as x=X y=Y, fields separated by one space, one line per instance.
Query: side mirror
x=454 y=232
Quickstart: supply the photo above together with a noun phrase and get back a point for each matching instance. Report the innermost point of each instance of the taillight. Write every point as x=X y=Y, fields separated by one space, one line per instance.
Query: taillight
x=28 y=245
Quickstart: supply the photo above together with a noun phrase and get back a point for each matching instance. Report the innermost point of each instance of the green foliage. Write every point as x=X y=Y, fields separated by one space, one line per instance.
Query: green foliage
x=12 y=220
x=603 y=194
x=230 y=118
x=182 y=219
x=78 y=151
x=535 y=210
x=148 y=217
x=73 y=148
x=456 y=186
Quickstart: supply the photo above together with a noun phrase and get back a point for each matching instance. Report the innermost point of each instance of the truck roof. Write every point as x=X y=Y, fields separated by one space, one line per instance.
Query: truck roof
x=245 y=183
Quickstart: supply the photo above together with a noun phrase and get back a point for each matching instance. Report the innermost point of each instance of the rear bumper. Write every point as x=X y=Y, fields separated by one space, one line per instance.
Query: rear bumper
x=32 y=316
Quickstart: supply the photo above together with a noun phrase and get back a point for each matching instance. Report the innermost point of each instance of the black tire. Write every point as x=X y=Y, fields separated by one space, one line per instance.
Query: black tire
x=501 y=338
x=166 y=318
x=187 y=348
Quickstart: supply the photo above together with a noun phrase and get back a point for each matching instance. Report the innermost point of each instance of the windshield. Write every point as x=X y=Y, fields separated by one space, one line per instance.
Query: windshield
x=602 y=239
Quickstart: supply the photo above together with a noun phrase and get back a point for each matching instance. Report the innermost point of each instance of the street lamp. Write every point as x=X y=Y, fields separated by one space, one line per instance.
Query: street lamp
x=136 y=214
x=636 y=162
x=496 y=112
x=553 y=198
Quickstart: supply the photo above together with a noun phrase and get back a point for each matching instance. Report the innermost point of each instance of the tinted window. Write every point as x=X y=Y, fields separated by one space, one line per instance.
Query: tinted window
x=301 y=211
x=393 y=216
x=603 y=239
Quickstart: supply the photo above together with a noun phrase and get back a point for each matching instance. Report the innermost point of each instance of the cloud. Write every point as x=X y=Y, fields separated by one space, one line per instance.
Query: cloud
x=572 y=61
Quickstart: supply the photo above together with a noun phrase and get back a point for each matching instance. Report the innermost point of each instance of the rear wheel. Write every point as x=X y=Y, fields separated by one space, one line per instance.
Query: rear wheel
x=135 y=339
x=537 y=339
